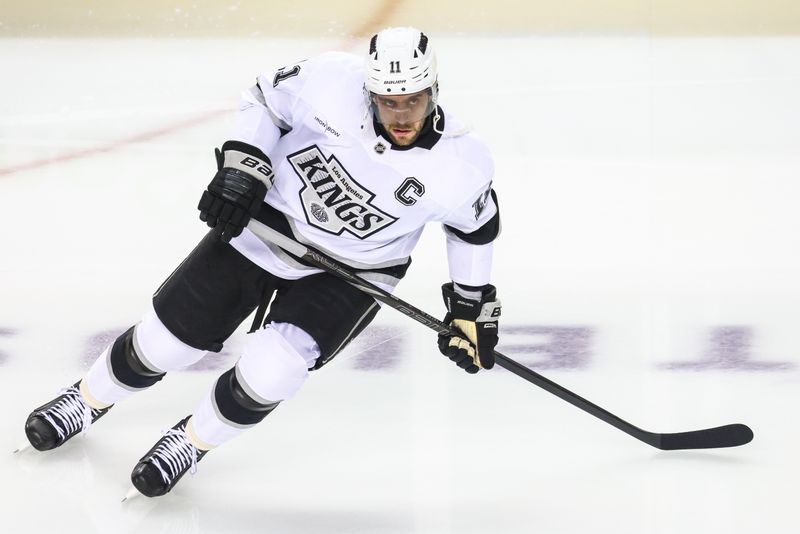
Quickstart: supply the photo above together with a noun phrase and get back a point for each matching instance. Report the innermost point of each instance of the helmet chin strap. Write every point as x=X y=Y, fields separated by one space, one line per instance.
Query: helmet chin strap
x=436 y=118
x=367 y=114
x=367 y=107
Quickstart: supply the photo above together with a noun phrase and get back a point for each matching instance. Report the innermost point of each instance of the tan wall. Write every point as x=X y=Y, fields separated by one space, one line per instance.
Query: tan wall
x=246 y=18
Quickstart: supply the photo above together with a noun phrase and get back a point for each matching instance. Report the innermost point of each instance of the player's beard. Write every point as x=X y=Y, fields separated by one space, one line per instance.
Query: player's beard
x=404 y=134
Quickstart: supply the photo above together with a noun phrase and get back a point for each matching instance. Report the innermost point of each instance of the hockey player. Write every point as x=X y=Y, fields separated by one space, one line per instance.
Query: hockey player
x=353 y=157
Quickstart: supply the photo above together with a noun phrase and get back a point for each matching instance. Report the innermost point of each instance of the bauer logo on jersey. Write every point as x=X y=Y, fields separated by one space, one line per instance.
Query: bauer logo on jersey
x=333 y=201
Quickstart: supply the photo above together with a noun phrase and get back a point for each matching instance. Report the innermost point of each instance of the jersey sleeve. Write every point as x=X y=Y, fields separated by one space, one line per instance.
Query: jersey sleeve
x=266 y=110
x=255 y=125
x=474 y=217
x=470 y=236
x=478 y=221
x=472 y=228
x=279 y=91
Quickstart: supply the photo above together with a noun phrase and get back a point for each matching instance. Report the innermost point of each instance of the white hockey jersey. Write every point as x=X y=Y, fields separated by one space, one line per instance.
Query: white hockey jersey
x=343 y=188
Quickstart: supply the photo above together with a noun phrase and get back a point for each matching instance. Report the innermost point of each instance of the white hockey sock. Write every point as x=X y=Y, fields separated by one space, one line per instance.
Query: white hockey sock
x=208 y=428
x=88 y=398
x=99 y=385
x=273 y=367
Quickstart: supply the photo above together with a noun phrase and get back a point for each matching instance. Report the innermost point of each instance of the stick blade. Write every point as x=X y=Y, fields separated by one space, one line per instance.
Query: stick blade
x=709 y=438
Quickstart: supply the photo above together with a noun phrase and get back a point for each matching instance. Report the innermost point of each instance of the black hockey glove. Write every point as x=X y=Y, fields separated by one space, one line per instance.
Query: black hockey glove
x=237 y=190
x=477 y=320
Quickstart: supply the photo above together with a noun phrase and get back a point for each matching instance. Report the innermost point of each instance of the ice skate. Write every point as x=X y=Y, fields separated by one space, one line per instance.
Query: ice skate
x=170 y=458
x=53 y=424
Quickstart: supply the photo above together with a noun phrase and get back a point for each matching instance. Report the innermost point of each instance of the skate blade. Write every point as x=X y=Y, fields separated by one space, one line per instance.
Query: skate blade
x=133 y=492
x=25 y=446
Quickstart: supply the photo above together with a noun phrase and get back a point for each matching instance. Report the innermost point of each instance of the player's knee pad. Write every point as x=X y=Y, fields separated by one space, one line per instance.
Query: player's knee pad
x=144 y=353
x=235 y=403
x=271 y=369
x=127 y=366
x=159 y=349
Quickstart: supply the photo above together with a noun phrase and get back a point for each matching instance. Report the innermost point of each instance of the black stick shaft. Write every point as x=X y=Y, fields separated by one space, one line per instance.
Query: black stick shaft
x=725 y=436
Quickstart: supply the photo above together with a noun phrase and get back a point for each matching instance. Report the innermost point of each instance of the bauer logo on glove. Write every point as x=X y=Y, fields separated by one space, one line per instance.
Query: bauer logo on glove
x=476 y=320
x=235 y=194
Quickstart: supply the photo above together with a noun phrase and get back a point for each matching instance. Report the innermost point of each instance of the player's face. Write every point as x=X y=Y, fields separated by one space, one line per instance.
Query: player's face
x=403 y=116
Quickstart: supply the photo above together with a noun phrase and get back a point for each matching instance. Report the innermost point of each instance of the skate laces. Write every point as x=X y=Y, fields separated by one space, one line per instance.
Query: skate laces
x=69 y=414
x=174 y=454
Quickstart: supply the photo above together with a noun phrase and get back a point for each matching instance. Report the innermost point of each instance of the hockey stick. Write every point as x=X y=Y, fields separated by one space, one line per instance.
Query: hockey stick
x=709 y=438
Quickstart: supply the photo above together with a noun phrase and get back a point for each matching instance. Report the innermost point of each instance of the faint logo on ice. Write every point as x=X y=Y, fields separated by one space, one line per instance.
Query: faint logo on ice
x=729 y=348
x=5 y=332
x=382 y=348
x=548 y=347
x=212 y=361
x=378 y=348
x=96 y=344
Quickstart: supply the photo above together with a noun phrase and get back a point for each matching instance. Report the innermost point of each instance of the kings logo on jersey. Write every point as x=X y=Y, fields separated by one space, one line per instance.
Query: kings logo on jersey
x=333 y=201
